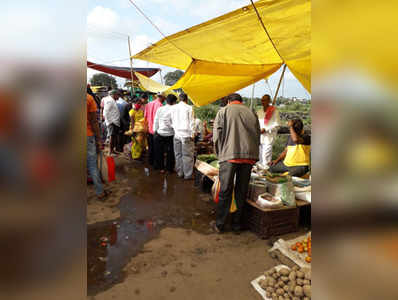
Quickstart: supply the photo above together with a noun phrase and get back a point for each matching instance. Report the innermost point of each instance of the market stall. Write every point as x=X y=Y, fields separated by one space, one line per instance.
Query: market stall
x=276 y=204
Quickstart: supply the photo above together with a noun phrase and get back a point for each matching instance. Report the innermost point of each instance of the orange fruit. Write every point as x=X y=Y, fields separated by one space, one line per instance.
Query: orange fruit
x=308 y=259
x=294 y=247
x=300 y=249
x=298 y=244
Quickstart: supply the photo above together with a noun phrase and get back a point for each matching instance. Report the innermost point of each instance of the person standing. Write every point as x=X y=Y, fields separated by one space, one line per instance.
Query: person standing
x=93 y=146
x=269 y=130
x=183 y=123
x=112 y=118
x=150 y=111
x=138 y=126
x=236 y=137
x=164 y=136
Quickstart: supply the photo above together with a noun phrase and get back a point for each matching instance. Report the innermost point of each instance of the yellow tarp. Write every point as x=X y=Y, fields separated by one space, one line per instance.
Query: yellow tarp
x=148 y=84
x=213 y=53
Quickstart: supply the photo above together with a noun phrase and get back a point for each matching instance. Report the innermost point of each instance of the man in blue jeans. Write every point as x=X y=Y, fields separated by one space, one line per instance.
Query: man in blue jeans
x=93 y=146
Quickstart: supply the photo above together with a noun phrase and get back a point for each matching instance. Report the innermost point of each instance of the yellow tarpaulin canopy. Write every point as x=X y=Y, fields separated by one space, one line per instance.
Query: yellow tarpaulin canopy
x=148 y=84
x=233 y=51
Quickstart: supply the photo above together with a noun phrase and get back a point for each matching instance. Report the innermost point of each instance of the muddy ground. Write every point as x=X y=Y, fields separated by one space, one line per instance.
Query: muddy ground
x=151 y=239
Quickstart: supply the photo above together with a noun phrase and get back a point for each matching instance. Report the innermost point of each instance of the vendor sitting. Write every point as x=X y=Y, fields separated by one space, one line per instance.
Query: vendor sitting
x=296 y=156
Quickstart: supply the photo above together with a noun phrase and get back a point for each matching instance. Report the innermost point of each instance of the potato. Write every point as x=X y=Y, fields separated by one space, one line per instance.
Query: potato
x=292 y=276
x=306 y=298
x=300 y=274
x=271 y=282
x=286 y=288
x=275 y=298
x=274 y=295
x=300 y=282
x=296 y=298
x=281 y=298
x=272 y=271
x=281 y=283
x=308 y=275
x=284 y=271
x=268 y=294
x=280 y=292
x=307 y=290
x=298 y=291
x=296 y=268
x=306 y=282
x=291 y=286
x=284 y=278
x=285 y=295
x=275 y=275
x=270 y=289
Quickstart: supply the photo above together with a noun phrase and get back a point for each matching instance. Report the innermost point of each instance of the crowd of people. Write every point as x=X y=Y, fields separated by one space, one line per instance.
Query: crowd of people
x=167 y=131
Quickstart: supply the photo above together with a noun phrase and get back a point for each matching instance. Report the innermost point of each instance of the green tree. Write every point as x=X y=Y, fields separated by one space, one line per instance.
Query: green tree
x=103 y=79
x=172 y=77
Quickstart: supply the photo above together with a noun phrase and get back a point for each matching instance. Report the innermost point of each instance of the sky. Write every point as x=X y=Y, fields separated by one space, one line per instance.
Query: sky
x=109 y=22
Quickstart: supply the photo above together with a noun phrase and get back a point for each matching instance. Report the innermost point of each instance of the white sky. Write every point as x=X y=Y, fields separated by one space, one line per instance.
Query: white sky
x=109 y=23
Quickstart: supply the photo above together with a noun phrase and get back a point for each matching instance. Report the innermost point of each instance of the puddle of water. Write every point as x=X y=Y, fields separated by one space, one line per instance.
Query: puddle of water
x=154 y=202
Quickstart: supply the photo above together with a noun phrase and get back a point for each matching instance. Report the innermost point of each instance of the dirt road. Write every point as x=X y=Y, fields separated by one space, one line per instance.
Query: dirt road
x=152 y=240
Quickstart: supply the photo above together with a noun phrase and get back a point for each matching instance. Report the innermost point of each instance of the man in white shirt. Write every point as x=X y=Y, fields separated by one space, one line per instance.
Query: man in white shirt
x=164 y=136
x=269 y=129
x=183 y=123
x=112 y=118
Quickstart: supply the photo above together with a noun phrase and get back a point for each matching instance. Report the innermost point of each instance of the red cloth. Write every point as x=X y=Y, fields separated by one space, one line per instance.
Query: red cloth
x=111 y=168
x=242 y=161
x=268 y=114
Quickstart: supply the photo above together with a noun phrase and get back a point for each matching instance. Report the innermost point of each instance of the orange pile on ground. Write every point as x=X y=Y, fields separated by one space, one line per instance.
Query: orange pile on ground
x=304 y=246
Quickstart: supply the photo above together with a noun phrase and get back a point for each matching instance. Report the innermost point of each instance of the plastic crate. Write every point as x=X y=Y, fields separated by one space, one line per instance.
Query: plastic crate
x=268 y=223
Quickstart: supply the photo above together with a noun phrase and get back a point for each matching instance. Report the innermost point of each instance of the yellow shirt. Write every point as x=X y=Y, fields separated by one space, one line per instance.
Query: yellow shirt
x=139 y=121
x=298 y=154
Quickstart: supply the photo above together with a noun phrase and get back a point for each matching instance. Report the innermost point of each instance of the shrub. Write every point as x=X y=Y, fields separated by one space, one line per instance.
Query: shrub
x=207 y=112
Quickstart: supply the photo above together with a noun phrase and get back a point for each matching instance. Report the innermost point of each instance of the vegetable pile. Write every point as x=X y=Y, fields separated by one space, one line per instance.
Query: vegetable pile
x=208 y=158
x=303 y=246
x=211 y=159
x=285 y=284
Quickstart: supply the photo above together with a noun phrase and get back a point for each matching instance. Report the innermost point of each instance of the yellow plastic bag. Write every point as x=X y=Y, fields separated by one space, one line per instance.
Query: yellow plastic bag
x=216 y=190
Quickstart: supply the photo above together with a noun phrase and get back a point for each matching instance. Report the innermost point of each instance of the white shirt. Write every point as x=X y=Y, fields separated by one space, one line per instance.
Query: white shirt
x=271 y=128
x=111 y=112
x=182 y=120
x=162 y=122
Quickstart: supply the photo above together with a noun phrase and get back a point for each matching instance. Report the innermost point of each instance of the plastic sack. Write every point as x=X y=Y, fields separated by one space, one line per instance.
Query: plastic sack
x=285 y=192
x=215 y=191
x=266 y=200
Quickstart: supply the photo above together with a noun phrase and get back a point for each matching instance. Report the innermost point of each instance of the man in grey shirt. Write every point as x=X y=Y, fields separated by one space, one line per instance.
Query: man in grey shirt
x=236 y=137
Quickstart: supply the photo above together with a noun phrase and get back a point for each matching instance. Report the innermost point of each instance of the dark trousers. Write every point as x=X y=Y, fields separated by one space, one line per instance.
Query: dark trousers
x=298 y=171
x=151 y=149
x=164 y=145
x=230 y=173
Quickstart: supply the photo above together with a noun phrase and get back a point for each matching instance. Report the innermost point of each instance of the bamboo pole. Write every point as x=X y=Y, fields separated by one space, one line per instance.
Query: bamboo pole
x=279 y=84
x=131 y=66
x=161 y=77
x=251 y=101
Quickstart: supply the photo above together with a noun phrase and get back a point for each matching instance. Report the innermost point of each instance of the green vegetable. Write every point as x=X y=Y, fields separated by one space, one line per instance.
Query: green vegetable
x=215 y=164
x=207 y=157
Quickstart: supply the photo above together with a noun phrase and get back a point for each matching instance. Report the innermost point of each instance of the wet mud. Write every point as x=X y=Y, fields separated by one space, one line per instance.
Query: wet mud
x=153 y=201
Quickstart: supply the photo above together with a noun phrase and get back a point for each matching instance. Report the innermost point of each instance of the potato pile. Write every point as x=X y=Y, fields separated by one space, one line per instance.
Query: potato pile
x=294 y=284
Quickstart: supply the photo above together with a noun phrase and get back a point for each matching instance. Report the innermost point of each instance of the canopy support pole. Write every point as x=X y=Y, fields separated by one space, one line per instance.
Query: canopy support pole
x=279 y=84
x=251 y=101
x=131 y=66
x=161 y=77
